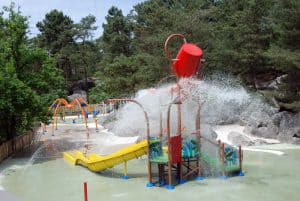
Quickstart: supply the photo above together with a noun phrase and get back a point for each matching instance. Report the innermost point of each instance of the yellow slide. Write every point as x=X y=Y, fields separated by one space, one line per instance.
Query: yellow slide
x=98 y=163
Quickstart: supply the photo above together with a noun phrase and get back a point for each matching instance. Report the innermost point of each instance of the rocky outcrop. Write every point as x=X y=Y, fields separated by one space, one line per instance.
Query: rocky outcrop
x=78 y=94
x=260 y=129
x=289 y=127
x=79 y=89
x=284 y=126
x=290 y=136
x=82 y=85
x=283 y=91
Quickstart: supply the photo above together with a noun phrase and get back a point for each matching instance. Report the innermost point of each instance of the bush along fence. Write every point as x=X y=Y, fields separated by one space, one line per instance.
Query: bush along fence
x=17 y=144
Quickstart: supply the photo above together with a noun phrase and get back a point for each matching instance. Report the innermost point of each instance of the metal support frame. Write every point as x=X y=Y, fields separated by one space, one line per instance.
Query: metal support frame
x=147 y=130
x=62 y=102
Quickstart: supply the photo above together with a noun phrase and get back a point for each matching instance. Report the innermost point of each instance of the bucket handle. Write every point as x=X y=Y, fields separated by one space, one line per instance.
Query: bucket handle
x=167 y=42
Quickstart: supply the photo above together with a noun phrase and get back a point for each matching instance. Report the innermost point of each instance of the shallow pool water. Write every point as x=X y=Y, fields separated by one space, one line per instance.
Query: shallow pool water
x=267 y=177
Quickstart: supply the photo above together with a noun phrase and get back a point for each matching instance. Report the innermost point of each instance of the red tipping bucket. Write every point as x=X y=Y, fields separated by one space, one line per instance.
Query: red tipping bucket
x=187 y=60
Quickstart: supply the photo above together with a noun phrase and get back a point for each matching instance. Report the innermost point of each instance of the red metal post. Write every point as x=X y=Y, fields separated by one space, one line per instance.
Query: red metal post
x=85 y=191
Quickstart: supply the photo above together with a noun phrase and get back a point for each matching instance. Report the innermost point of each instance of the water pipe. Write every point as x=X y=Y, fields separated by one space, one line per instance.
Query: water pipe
x=241 y=161
x=58 y=102
x=198 y=135
x=160 y=127
x=166 y=46
x=177 y=102
x=125 y=168
x=147 y=130
x=223 y=159
x=82 y=111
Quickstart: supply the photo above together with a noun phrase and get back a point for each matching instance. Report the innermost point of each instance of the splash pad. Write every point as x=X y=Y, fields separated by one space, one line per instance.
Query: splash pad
x=175 y=153
x=45 y=174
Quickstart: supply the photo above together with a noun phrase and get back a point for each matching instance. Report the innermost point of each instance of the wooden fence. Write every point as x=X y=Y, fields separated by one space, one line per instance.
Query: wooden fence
x=17 y=144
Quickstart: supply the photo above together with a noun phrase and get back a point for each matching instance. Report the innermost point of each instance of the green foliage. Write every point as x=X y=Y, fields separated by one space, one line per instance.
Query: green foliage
x=18 y=103
x=126 y=75
x=116 y=34
x=57 y=31
x=97 y=94
x=70 y=44
x=29 y=80
x=83 y=30
x=254 y=40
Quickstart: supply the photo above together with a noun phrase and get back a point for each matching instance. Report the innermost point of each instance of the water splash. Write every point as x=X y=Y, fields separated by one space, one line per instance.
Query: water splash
x=34 y=155
x=225 y=102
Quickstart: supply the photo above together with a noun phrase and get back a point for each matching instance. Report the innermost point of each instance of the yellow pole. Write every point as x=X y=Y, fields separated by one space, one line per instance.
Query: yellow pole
x=125 y=171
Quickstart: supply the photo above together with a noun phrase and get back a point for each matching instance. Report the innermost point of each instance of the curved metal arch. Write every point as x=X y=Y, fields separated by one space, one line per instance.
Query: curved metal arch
x=147 y=127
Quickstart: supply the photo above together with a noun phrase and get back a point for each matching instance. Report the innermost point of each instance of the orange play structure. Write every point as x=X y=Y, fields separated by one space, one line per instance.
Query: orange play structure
x=60 y=103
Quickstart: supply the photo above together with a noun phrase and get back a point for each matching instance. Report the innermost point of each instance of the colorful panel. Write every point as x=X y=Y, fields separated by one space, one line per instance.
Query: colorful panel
x=190 y=149
x=175 y=149
x=231 y=156
x=155 y=149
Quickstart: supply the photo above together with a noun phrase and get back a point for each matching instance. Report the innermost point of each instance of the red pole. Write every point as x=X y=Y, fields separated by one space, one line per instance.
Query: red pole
x=85 y=191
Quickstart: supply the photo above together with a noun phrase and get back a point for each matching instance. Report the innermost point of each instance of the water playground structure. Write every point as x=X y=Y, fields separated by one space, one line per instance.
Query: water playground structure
x=172 y=157
x=60 y=106
x=79 y=110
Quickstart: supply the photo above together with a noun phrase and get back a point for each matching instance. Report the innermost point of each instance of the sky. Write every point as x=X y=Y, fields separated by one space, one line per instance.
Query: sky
x=76 y=9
